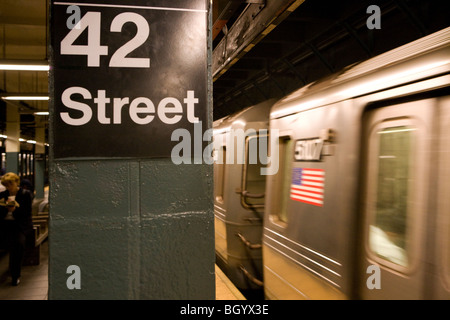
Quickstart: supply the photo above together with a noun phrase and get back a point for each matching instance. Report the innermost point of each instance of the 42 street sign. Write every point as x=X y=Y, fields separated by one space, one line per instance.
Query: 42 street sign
x=125 y=76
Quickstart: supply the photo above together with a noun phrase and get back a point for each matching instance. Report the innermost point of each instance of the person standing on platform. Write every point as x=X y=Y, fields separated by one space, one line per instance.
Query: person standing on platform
x=27 y=185
x=15 y=221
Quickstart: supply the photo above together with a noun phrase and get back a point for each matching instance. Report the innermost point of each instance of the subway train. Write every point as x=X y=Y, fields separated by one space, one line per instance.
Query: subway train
x=239 y=195
x=359 y=205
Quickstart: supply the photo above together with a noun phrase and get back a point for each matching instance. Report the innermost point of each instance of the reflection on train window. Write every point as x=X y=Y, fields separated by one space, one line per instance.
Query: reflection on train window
x=219 y=173
x=282 y=180
x=253 y=182
x=388 y=233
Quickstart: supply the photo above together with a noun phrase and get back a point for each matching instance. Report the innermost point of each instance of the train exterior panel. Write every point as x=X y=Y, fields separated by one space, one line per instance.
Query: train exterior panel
x=359 y=206
x=239 y=195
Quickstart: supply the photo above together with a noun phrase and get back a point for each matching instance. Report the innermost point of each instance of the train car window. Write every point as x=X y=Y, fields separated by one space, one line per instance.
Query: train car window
x=282 y=181
x=254 y=184
x=27 y=163
x=20 y=166
x=3 y=160
x=388 y=230
x=31 y=164
x=443 y=179
x=219 y=173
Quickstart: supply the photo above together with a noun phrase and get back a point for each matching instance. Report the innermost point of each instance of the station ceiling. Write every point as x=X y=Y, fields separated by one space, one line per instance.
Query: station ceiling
x=315 y=40
x=261 y=48
x=23 y=39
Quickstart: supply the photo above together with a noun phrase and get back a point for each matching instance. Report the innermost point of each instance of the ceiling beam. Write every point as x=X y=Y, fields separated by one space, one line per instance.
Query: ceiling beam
x=253 y=25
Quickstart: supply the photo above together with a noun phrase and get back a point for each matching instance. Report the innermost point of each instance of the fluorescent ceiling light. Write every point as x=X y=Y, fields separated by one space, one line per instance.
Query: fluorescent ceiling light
x=24 y=67
x=25 y=98
x=41 y=113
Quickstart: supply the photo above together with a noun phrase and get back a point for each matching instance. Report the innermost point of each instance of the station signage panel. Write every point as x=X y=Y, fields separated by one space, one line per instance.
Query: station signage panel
x=126 y=74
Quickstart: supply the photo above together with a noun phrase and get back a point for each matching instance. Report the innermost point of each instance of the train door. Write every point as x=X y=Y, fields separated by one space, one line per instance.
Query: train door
x=397 y=142
x=220 y=207
x=441 y=281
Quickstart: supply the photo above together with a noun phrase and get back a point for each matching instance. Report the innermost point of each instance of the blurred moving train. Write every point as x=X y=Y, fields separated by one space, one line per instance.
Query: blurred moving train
x=363 y=180
x=239 y=195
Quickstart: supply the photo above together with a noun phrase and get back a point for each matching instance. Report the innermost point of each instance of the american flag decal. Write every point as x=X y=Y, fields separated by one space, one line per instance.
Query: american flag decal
x=308 y=185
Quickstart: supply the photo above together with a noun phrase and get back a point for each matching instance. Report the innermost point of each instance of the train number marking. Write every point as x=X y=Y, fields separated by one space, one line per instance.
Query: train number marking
x=91 y=22
x=308 y=150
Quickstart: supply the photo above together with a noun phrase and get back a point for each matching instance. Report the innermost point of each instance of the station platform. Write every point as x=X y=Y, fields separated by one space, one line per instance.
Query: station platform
x=225 y=289
x=34 y=281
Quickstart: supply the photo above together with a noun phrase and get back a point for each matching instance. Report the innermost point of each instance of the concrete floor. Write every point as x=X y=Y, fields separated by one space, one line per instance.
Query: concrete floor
x=33 y=282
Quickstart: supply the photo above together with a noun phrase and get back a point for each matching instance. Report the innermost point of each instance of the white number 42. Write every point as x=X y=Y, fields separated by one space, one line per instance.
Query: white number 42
x=93 y=49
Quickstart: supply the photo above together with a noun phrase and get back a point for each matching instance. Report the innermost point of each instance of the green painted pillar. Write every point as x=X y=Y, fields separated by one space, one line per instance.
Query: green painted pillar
x=137 y=230
x=126 y=225
x=39 y=159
